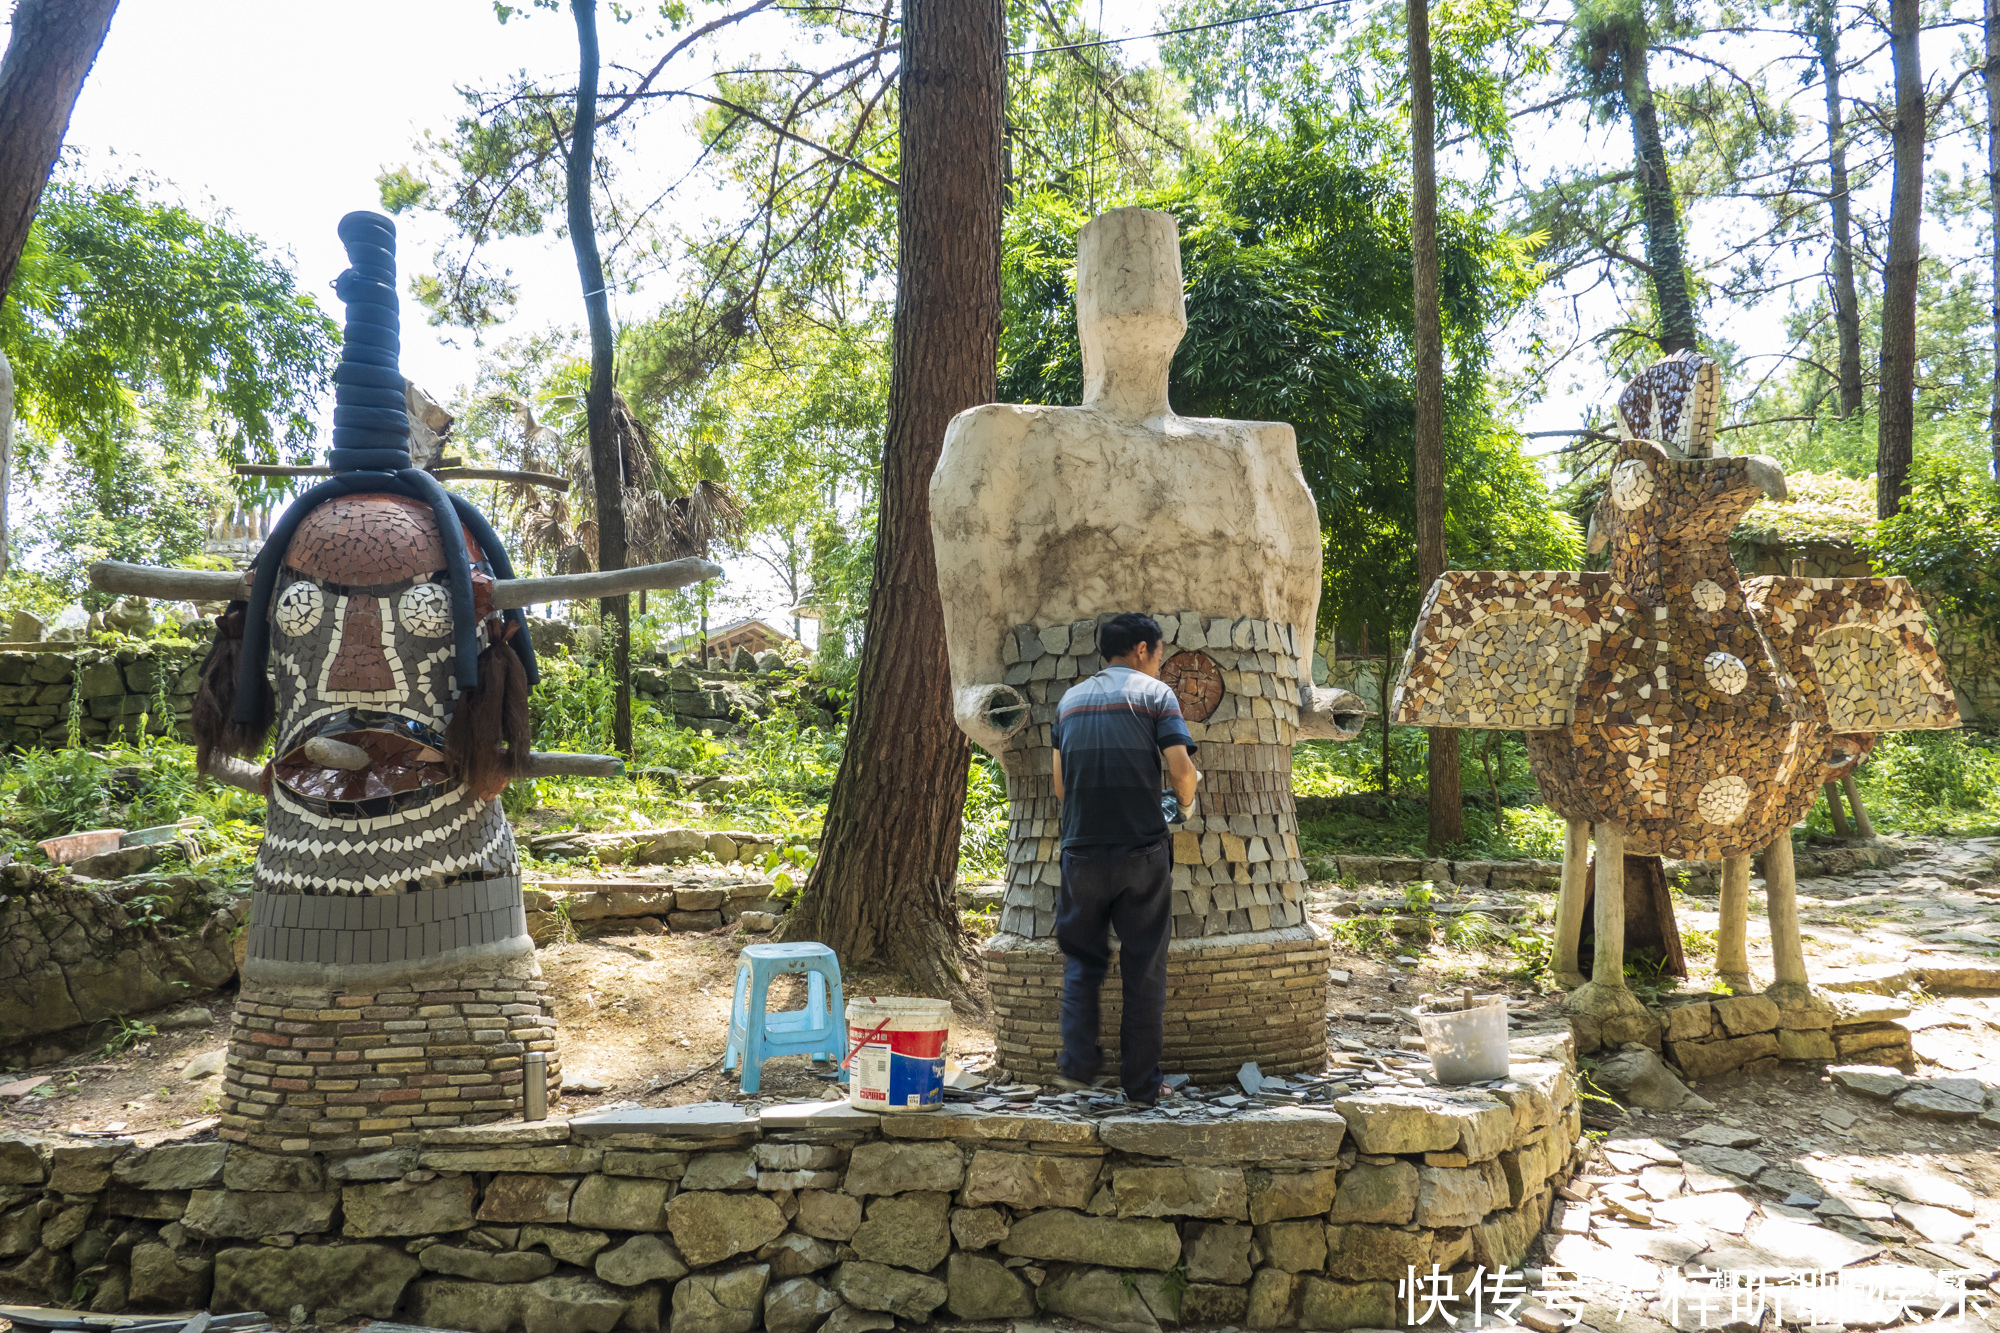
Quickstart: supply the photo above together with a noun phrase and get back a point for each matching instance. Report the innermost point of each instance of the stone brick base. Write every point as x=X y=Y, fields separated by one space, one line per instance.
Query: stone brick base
x=1230 y=998
x=320 y=1070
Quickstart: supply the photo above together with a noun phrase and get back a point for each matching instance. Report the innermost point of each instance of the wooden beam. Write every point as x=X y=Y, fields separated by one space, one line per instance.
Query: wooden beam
x=168 y=585
x=604 y=583
x=549 y=764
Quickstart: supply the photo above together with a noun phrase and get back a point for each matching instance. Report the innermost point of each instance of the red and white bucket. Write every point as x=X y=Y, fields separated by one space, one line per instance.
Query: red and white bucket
x=895 y=1053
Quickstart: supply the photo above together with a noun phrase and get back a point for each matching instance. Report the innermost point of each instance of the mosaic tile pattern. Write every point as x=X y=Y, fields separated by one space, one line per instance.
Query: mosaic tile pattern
x=393 y=873
x=1697 y=713
x=1236 y=860
x=1674 y=402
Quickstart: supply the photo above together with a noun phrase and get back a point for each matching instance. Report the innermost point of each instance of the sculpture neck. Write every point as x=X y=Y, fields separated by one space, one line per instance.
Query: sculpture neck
x=1133 y=394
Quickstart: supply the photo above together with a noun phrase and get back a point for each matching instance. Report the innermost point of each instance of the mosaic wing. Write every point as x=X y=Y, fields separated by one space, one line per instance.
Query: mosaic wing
x=1500 y=650
x=1860 y=647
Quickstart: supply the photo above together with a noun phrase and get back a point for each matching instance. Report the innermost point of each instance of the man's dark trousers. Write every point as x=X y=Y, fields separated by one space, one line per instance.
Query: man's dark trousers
x=1130 y=888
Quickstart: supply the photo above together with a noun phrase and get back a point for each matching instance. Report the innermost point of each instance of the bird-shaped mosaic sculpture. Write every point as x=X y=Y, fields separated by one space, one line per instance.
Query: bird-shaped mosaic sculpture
x=1678 y=709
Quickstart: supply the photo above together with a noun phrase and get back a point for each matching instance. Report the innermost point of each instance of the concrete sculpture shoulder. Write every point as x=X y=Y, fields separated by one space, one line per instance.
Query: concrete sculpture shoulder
x=1047 y=519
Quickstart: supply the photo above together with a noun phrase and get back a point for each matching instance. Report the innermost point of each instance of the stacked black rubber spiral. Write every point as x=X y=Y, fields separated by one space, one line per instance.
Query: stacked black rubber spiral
x=371 y=428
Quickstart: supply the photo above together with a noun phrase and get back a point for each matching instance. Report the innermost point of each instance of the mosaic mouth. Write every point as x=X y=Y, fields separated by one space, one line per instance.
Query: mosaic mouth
x=360 y=764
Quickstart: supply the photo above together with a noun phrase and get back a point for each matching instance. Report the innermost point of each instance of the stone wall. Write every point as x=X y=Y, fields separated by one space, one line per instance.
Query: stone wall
x=117 y=685
x=73 y=955
x=728 y=700
x=720 y=1219
x=1722 y=1034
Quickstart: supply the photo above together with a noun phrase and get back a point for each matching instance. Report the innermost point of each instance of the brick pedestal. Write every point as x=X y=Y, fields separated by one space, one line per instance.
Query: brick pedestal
x=364 y=1020
x=316 y=1070
x=1254 y=996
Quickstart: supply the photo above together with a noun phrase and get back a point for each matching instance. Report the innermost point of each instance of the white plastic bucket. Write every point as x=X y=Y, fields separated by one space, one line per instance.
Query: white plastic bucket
x=1469 y=1046
x=895 y=1053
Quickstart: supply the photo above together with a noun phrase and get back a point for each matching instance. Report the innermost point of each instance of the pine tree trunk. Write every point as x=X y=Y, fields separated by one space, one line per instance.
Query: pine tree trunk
x=1896 y=408
x=881 y=890
x=6 y=451
x=1664 y=252
x=1993 y=200
x=50 y=51
x=1846 y=306
x=1447 y=806
x=607 y=463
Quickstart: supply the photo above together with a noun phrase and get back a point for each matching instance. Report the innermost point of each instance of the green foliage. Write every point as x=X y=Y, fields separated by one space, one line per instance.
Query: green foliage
x=1946 y=539
x=1295 y=251
x=982 y=844
x=47 y=793
x=122 y=297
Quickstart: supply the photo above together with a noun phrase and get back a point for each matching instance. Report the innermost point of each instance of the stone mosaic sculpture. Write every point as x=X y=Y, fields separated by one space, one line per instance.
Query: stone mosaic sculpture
x=389 y=984
x=1047 y=519
x=1669 y=706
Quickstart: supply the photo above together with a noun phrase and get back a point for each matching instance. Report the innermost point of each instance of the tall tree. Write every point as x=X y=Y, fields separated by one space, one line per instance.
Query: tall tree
x=881 y=889
x=1617 y=39
x=1447 y=811
x=606 y=458
x=50 y=49
x=1897 y=407
x=1992 y=73
x=49 y=54
x=1846 y=305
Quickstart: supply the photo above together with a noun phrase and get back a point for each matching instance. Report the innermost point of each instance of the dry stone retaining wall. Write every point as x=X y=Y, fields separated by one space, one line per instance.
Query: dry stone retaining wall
x=714 y=1219
x=38 y=691
x=73 y=955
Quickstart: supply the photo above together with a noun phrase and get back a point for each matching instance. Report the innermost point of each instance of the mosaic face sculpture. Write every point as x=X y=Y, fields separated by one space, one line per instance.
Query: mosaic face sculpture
x=1694 y=714
x=389 y=983
x=1047 y=520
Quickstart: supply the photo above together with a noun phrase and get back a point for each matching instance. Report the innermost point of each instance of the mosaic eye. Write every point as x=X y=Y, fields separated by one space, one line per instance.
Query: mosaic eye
x=298 y=609
x=426 y=610
x=1631 y=484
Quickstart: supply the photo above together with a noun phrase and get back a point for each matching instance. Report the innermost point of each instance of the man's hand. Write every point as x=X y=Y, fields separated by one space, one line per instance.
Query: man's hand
x=1181 y=774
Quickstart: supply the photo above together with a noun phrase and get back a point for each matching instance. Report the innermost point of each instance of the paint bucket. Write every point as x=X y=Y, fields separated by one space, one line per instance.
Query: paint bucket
x=1469 y=1046
x=895 y=1053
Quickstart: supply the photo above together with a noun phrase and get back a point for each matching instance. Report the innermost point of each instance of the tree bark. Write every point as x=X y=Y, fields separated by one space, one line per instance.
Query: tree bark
x=1897 y=408
x=1665 y=254
x=881 y=890
x=1993 y=201
x=1447 y=807
x=1846 y=305
x=607 y=463
x=6 y=451
x=49 y=54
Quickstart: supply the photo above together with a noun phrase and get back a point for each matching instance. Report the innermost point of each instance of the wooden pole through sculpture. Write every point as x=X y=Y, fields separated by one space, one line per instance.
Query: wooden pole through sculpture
x=1045 y=519
x=389 y=984
x=1677 y=709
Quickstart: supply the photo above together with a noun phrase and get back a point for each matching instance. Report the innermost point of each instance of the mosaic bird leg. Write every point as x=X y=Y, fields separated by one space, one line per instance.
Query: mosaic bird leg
x=1732 y=957
x=1832 y=790
x=1569 y=906
x=1605 y=999
x=1781 y=899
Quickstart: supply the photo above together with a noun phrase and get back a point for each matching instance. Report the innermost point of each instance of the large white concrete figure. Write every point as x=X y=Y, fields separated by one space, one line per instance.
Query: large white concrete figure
x=1047 y=519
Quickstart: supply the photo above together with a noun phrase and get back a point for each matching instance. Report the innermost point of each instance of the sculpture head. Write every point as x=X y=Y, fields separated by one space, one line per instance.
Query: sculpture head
x=365 y=618
x=1129 y=313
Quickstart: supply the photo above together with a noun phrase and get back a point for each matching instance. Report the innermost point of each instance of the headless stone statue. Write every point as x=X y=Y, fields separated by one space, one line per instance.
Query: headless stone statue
x=1047 y=520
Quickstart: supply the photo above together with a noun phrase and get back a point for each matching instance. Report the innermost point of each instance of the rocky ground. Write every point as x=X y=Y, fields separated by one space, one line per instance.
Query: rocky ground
x=1845 y=1200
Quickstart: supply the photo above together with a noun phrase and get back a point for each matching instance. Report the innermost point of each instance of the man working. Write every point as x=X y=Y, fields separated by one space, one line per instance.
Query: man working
x=1110 y=732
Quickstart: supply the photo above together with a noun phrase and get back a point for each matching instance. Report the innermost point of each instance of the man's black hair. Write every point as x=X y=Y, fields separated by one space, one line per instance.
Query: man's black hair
x=1121 y=634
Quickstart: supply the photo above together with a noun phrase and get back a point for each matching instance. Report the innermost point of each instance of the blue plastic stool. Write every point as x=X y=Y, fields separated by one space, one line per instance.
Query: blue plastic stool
x=818 y=1030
